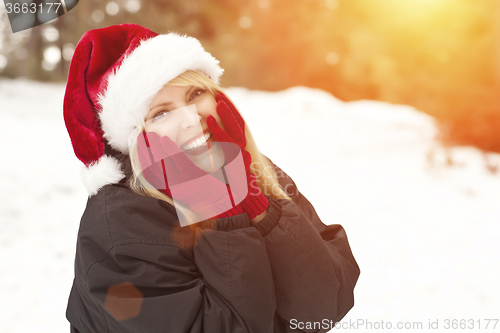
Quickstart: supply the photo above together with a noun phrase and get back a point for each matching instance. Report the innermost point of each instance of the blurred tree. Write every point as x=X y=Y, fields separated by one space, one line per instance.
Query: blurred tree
x=441 y=56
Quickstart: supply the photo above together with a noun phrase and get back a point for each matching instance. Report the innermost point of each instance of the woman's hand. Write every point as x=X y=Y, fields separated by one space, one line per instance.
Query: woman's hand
x=169 y=170
x=255 y=203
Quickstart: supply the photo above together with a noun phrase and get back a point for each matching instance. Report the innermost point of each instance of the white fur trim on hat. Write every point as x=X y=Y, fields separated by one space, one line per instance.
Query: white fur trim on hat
x=132 y=87
x=107 y=170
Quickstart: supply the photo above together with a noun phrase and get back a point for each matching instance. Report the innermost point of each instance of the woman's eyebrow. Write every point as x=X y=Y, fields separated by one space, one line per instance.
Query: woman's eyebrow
x=161 y=105
x=168 y=103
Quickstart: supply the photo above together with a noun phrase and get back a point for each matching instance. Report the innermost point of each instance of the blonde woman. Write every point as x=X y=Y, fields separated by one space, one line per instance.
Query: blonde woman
x=166 y=244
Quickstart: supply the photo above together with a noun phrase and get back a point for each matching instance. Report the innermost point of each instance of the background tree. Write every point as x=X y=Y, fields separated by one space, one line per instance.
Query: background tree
x=441 y=56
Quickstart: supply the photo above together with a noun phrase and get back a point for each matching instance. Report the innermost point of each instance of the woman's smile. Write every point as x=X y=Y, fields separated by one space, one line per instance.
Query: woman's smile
x=197 y=142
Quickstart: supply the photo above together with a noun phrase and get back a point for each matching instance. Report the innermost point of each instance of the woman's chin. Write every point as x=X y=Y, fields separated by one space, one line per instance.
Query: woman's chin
x=209 y=160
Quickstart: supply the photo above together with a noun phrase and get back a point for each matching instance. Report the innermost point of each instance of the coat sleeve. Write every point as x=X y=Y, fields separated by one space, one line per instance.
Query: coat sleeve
x=223 y=284
x=313 y=268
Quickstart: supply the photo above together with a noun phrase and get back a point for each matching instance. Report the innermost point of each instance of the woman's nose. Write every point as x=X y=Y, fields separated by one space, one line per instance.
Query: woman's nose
x=191 y=119
x=204 y=112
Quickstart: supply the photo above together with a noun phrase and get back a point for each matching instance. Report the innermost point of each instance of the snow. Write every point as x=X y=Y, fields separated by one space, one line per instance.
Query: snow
x=422 y=219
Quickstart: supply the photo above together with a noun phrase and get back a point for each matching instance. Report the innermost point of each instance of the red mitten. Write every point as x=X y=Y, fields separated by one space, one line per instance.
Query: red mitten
x=168 y=169
x=255 y=202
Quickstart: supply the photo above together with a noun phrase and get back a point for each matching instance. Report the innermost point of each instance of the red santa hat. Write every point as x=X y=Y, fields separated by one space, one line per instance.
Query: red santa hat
x=114 y=74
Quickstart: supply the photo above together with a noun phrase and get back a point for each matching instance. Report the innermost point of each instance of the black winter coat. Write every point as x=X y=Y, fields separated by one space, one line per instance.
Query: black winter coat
x=137 y=270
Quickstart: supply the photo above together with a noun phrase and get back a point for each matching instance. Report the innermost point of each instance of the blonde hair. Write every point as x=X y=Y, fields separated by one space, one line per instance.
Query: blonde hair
x=261 y=166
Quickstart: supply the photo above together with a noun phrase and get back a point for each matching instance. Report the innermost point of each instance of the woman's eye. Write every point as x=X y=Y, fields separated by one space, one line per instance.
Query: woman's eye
x=158 y=115
x=197 y=93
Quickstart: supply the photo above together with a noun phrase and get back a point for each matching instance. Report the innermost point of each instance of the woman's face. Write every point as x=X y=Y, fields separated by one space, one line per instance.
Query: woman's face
x=188 y=133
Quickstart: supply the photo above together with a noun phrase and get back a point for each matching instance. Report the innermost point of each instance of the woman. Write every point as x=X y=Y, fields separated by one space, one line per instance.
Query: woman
x=266 y=263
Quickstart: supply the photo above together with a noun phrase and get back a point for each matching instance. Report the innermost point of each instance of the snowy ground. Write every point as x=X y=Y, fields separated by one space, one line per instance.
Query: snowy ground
x=423 y=221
